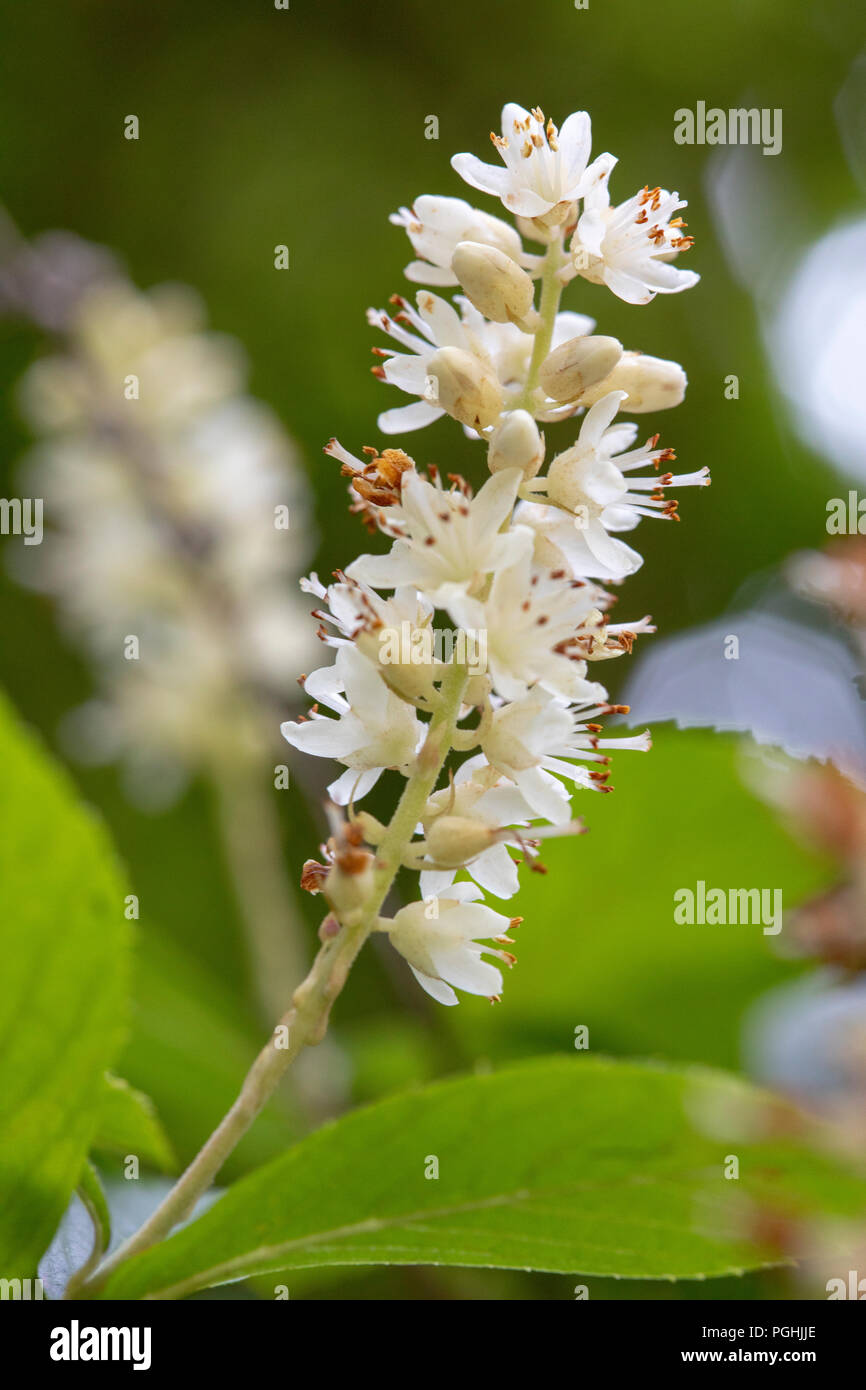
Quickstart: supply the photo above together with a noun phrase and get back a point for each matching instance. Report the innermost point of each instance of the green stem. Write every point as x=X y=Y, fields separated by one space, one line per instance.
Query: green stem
x=274 y=927
x=551 y=293
x=306 y=1022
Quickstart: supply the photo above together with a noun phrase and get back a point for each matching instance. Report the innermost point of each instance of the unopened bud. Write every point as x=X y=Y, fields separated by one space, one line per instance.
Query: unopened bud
x=404 y=663
x=464 y=387
x=516 y=443
x=574 y=367
x=650 y=383
x=350 y=882
x=453 y=840
x=498 y=288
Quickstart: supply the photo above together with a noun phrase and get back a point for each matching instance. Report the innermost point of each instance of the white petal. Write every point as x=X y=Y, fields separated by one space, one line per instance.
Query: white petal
x=575 y=143
x=496 y=871
x=352 y=785
x=364 y=687
x=545 y=795
x=408 y=417
x=496 y=499
x=618 y=557
x=467 y=970
x=434 y=882
x=569 y=325
x=590 y=232
x=442 y=993
x=489 y=178
x=423 y=273
x=598 y=418
x=626 y=287
x=324 y=686
x=399 y=566
x=325 y=738
x=409 y=373
x=464 y=892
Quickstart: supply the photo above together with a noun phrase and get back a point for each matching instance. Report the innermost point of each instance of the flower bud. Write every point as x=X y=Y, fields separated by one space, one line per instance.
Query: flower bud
x=516 y=443
x=464 y=387
x=650 y=383
x=498 y=288
x=572 y=368
x=453 y=841
x=405 y=660
x=350 y=882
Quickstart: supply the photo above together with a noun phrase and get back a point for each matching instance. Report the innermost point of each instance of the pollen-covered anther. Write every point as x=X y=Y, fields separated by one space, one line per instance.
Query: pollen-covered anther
x=313 y=875
x=459 y=482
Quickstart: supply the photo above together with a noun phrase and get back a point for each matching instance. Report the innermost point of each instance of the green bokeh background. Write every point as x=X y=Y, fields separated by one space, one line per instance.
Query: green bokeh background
x=306 y=127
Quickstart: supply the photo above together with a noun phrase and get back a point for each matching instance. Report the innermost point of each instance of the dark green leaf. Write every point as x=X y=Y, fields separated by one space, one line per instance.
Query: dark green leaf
x=576 y=1166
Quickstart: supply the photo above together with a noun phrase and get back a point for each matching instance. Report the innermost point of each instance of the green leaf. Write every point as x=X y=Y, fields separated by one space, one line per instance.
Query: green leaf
x=599 y=945
x=129 y=1124
x=64 y=944
x=566 y=1165
x=91 y=1194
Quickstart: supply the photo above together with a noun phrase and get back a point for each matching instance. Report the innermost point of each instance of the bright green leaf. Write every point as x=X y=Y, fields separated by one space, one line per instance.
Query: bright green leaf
x=129 y=1124
x=566 y=1165
x=64 y=944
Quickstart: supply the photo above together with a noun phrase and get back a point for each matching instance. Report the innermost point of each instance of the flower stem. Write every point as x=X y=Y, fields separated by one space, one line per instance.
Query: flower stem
x=274 y=927
x=551 y=293
x=306 y=1022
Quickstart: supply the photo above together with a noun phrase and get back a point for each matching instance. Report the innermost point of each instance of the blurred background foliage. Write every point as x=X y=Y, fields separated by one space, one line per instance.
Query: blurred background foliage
x=307 y=127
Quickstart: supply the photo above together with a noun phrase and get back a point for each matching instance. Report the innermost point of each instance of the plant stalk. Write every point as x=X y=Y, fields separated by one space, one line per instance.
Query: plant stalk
x=306 y=1022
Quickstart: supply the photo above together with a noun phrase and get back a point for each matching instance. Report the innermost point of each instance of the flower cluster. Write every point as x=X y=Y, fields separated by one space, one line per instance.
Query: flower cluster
x=518 y=559
x=169 y=495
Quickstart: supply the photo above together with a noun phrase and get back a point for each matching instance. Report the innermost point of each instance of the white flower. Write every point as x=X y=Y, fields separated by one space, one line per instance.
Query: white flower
x=379 y=627
x=502 y=348
x=540 y=626
x=435 y=226
x=587 y=481
x=355 y=609
x=480 y=808
x=444 y=949
x=529 y=740
x=559 y=544
x=374 y=730
x=544 y=168
x=450 y=542
x=629 y=248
